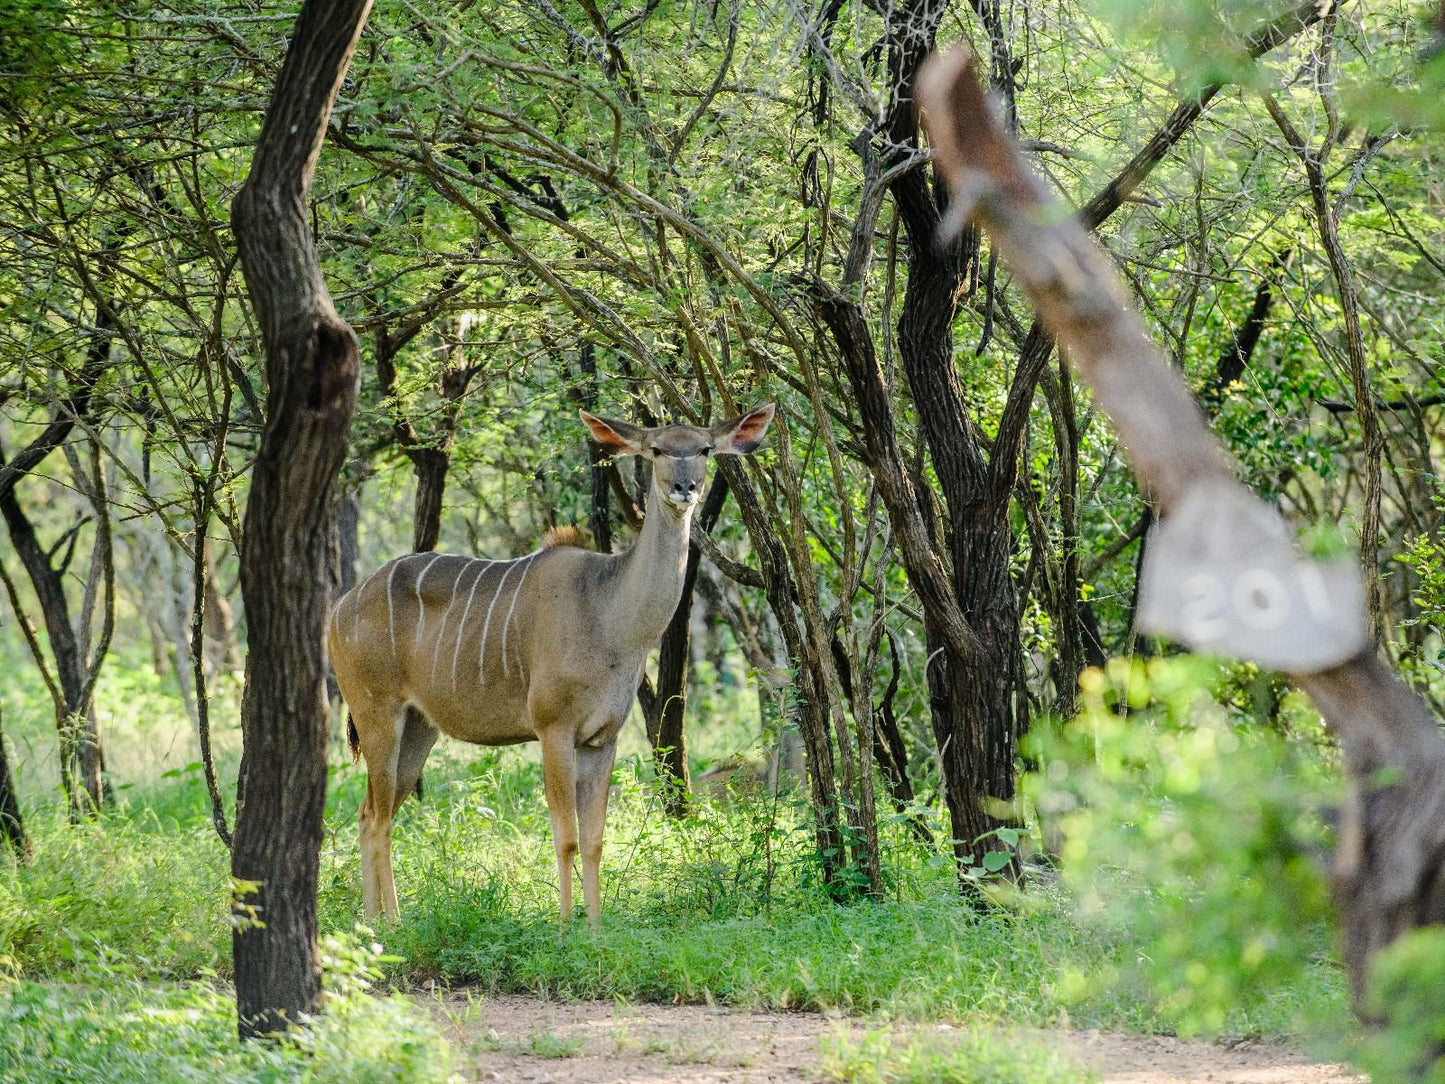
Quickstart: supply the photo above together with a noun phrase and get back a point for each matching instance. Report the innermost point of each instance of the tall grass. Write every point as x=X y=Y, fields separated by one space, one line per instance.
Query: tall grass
x=723 y=906
x=122 y=922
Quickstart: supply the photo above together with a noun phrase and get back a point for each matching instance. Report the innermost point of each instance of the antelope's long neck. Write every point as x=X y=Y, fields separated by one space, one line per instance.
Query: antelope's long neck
x=650 y=582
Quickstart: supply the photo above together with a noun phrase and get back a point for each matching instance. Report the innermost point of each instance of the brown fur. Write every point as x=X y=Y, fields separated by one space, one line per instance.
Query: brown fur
x=566 y=536
x=546 y=647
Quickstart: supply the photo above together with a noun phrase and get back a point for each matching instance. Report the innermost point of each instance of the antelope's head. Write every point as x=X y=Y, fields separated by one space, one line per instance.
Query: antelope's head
x=679 y=453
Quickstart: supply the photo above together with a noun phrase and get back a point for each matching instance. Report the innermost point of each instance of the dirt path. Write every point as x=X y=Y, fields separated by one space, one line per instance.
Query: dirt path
x=531 y=1041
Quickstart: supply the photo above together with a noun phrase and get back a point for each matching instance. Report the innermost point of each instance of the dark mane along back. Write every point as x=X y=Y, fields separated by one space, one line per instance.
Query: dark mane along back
x=566 y=536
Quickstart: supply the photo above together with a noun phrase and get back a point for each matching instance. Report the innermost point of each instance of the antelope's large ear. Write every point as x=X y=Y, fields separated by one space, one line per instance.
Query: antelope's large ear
x=619 y=438
x=742 y=434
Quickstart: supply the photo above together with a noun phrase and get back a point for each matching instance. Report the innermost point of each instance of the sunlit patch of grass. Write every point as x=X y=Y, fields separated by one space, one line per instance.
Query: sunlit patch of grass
x=544 y=1044
x=976 y=1056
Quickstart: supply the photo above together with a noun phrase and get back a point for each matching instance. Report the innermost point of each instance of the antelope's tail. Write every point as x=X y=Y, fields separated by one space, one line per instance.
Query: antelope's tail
x=353 y=739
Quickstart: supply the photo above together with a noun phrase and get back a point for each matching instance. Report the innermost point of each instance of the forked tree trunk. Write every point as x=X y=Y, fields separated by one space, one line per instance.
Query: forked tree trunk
x=289 y=545
x=972 y=677
x=79 y=734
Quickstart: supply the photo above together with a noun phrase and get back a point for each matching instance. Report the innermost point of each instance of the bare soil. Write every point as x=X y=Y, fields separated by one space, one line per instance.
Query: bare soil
x=533 y=1041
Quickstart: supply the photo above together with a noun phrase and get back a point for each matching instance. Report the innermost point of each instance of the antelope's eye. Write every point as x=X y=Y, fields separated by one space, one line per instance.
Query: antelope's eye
x=658 y=452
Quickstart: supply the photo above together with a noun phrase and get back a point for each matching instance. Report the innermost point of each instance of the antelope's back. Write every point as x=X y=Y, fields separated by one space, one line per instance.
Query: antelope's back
x=446 y=633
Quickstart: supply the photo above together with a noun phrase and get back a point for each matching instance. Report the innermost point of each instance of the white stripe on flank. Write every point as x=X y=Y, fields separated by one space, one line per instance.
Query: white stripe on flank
x=436 y=651
x=391 y=603
x=462 y=625
x=421 y=602
x=486 y=627
x=356 y=610
x=507 y=624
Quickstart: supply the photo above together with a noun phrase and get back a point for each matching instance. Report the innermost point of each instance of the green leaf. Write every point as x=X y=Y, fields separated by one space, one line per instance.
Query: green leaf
x=994 y=861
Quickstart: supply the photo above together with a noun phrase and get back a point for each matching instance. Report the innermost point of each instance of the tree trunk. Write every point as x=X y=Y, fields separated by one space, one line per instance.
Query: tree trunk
x=1388 y=870
x=953 y=642
x=971 y=696
x=70 y=668
x=12 y=824
x=289 y=542
x=431 y=482
x=598 y=521
x=810 y=700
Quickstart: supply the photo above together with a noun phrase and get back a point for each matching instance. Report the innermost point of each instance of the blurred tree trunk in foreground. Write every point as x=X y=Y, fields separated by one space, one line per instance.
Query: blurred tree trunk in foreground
x=1223 y=572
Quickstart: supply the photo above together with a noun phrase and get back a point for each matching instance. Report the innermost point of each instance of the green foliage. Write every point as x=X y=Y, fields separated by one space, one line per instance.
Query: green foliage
x=723 y=907
x=139 y=898
x=1402 y=102
x=1201 y=40
x=126 y=1032
x=34 y=46
x=544 y=1044
x=521 y=200
x=974 y=1057
x=1200 y=835
x=924 y=959
x=1407 y=993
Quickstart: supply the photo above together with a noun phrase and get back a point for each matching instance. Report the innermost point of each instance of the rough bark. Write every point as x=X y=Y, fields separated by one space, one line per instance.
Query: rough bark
x=290 y=533
x=12 y=824
x=1389 y=873
x=971 y=695
x=947 y=631
x=974 y=674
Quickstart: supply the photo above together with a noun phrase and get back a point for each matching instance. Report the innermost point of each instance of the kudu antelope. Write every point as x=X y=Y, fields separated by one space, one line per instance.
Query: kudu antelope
x=548 y=647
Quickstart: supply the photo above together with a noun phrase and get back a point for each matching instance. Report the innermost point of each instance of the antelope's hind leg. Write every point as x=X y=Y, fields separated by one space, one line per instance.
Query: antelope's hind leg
x=380 y=728
x=594 y=781
x=418 y=735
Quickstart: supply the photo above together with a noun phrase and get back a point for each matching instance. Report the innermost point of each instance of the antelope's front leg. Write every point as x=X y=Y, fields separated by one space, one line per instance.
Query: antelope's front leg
x=594 y=779
x=559 y=774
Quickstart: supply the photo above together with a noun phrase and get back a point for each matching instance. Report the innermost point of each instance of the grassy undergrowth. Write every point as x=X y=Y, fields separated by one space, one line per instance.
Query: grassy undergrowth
x=972 y=1057
x=724 y=906
x=114 y=942
x=100 y=1027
